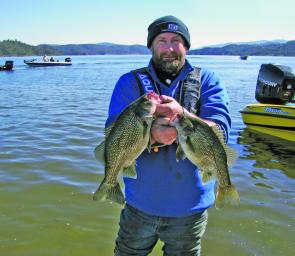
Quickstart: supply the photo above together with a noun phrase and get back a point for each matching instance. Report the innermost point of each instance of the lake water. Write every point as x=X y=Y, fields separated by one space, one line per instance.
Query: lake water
x=51 y=119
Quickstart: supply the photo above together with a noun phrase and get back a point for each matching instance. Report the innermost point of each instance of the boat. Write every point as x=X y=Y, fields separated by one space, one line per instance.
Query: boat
x=8 y=66
x=274 y=114
x=48 y=62
x=244 y=57
x=272 y=119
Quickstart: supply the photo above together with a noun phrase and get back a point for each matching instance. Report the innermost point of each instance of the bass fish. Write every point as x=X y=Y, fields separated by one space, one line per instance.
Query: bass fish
x=124 y=141
x=204 y=146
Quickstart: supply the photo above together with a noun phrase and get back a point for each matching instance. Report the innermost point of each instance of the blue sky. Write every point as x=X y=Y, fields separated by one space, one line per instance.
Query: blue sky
x=126 y=21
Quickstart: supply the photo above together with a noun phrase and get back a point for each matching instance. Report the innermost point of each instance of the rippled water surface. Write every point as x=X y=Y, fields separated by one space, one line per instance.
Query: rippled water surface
x=51 y=118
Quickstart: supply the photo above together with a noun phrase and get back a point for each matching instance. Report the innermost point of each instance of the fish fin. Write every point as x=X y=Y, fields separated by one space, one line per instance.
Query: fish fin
x=99 y=152
x=219 y=133
x=206 y=176
x=108 y=129
x=180 y=153
x=231 y=155
x=229 y=196
x=149 y=146
x=111 y=192
x=130 y=171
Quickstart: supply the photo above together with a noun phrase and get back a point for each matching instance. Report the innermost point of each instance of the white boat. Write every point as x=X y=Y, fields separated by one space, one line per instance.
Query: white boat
x=35 y=63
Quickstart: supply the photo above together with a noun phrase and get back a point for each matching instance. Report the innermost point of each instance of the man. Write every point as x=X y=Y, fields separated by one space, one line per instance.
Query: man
x=167 y=200
x=45 y=58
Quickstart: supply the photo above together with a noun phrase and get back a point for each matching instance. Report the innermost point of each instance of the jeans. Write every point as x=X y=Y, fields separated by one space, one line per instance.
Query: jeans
x=139 y=233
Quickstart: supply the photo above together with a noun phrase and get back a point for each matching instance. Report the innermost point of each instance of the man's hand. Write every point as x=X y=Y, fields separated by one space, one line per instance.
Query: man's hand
x=167 y=111
x=161 y=130
x=162 y=133
x=169 y=108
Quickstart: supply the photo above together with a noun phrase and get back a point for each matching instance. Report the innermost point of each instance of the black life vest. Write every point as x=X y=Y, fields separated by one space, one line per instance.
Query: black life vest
x=188 y=93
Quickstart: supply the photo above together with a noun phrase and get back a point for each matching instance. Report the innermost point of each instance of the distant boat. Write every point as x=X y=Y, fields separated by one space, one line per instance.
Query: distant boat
x=49 y=63
x=7 y=66
x=243 y=57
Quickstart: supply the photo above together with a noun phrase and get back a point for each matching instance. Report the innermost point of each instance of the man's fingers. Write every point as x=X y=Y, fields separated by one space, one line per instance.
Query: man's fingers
x=166 y=99
x=162 y=108
x=162 y=121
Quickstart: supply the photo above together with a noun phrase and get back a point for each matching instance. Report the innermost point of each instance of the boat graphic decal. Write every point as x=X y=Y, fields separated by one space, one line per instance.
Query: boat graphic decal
x=276 y=110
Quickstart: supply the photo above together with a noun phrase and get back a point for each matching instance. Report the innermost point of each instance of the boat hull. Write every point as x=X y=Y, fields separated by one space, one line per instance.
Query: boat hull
x=47 y=64
x=275 y=120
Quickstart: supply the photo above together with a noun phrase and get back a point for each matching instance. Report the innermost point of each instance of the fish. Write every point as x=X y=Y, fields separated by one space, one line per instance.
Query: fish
x=124 y=141
x=205 y=147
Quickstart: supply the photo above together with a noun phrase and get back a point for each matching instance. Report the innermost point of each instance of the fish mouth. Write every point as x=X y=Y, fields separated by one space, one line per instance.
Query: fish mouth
x=154 y=98
x=152 y=95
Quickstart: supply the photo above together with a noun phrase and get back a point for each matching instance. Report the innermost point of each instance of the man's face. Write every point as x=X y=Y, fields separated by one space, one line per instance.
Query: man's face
x=169 y=51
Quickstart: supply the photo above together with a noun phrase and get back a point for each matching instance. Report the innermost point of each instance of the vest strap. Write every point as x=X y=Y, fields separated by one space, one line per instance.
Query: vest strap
x=189 y=91
x=145 y=81
x=135 y=74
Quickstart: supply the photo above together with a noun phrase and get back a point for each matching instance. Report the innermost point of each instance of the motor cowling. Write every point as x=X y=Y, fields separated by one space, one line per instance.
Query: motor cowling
x=8 y=65
x=275 y=84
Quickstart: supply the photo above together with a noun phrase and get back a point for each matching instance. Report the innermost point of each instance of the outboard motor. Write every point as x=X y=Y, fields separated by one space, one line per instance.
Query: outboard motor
x=275 y=84
x=7 y=66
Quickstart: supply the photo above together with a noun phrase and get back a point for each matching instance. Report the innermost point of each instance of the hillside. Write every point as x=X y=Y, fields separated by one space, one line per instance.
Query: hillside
x=270 y=49
x=98 y=49
x=17 y=48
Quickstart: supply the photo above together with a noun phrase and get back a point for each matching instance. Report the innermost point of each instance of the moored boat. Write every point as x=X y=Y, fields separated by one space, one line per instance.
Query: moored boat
x=275 y=114
x=272 y=119
x=244 y=57
x=48 y=63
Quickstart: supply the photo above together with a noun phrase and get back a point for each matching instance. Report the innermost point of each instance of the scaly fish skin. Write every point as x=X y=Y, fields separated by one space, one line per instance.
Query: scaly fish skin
x=204 y=146
x=125 y=140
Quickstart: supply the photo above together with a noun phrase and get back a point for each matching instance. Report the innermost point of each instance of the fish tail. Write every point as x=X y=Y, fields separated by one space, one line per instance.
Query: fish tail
x=111 y=192
x=228 y=195
x=130 y=171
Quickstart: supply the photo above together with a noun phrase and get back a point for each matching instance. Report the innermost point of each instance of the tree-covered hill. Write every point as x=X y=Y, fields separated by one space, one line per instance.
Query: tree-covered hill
x=17 y=48
x=271 y=49
x=98 y=49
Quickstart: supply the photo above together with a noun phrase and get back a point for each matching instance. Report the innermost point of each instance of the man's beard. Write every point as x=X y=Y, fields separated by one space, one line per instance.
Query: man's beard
x=169 y=67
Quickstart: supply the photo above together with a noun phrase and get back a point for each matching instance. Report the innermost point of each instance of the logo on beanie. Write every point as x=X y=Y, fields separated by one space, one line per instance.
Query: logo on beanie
x=172 y=27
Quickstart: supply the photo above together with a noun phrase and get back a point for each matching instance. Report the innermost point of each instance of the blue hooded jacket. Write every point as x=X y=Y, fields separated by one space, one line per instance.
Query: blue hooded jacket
x=164 y=187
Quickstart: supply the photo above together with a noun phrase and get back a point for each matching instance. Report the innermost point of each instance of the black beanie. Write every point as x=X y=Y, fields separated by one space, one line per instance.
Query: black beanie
x=168 y=24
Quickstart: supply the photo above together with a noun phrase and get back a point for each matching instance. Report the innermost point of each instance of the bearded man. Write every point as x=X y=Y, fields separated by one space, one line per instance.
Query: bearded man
x=167 y=200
